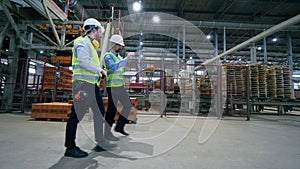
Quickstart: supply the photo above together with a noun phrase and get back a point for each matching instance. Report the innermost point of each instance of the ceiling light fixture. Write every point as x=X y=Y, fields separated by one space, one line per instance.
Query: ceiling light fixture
x=137 y=6
x=156 y=18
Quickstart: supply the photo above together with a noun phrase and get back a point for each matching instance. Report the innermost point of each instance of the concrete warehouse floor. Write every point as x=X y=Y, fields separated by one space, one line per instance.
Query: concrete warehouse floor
x=265 y=142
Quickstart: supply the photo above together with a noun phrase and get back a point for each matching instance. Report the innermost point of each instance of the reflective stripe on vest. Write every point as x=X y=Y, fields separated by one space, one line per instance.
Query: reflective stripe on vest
x=80 y=73
x=114 y=78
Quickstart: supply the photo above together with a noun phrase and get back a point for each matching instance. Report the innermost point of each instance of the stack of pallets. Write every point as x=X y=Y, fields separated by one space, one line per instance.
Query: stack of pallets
x=240 y=80
x=254 y=92
x=262 y=80
x=287 y=82
x=231 y=79
x=271 y=82
x=279 y=82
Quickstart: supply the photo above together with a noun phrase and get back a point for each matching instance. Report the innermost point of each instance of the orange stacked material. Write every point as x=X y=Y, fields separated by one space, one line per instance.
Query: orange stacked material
x=54 y=110
x=132 y=115
x=297 y=94
x=64 y=82
x=49 y=78
x=63 y=60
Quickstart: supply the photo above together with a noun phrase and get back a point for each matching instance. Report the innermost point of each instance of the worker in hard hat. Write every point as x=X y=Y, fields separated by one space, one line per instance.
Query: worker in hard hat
x=114 y=64
x=86 y=93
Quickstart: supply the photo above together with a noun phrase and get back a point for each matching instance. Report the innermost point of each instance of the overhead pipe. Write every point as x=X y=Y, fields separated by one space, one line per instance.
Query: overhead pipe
x=258 y=37
x=233 y=25
x=228 y=25
x=79 y=10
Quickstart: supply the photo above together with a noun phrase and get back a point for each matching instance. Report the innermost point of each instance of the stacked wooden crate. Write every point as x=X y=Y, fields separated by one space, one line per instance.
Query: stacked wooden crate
x=287 y=82
x=265 y=81
x=231 y=79
x=271 y=82
x=54 y=110
x=262 y=81
x=253 y=72
x=240 y=80
x=279 y=82
x=235 y=83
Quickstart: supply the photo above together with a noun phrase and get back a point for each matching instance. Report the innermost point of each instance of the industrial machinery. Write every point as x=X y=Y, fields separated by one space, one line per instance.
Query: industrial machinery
x=189 y=91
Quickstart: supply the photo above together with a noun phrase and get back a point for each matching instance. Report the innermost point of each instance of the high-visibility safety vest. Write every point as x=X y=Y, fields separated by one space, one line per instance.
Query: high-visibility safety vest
x=80 y=73
x=114 y=78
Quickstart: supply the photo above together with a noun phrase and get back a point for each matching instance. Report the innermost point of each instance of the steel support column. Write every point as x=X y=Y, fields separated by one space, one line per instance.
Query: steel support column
x=183 y=45
x=290 y=61
x=265 y=50
x=216 y=42
x=253 y=53
x=224 y=41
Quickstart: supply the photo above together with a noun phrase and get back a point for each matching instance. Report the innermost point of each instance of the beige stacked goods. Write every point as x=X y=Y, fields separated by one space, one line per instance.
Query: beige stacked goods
x=240 y=80
x=265 y=81
x=287 y=82
x=262 y=80
x=231 y=79
x=279 y=82
x=254 y=83
x=271 y=82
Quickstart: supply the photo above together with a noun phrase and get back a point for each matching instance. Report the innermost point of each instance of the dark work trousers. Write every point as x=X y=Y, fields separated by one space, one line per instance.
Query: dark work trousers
x=90 y=97
x=116 y=94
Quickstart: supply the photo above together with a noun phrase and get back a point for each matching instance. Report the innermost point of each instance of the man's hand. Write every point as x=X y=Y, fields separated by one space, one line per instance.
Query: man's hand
x=104 y=74
x=130 y=55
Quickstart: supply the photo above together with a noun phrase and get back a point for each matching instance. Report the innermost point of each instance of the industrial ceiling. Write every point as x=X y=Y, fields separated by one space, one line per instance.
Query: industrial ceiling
x=189 y=21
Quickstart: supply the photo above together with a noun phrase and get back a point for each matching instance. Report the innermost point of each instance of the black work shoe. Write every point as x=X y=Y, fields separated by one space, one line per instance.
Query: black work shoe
x=111 y=137
x=103 y=146
x=76 y=153
x=98 y=148
x=121 y=131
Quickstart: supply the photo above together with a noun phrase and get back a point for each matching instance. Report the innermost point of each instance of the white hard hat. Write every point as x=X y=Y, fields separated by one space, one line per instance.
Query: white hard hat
x=92 y=22
x=117 y=39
